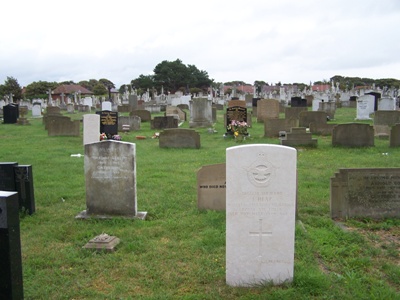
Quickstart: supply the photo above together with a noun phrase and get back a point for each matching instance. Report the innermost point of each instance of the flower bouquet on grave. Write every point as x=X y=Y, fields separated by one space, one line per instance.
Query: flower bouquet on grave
x=238 y=129
x=103 y=137
x=116 y=137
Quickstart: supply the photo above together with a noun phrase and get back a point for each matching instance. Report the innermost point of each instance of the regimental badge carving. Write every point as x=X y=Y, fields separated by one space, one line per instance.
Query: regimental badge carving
x=261 y=172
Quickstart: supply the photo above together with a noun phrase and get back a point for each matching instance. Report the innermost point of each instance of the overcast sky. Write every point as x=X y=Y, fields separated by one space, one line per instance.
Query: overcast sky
x=270 y=40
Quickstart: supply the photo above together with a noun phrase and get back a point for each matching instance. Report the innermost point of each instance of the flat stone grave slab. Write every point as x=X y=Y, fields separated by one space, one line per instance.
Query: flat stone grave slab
x=103 y=242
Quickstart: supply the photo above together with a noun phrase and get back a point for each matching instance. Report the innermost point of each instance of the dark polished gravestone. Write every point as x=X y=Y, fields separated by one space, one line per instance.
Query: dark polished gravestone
x=7 y=178
x=24 y=186
x=108 y=122
x=18 y=178
x=235 y=113
x=11 y=284
x=10 y=113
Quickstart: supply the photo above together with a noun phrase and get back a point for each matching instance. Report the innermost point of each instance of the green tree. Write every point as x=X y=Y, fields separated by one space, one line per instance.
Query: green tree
x=67 y=82
x=38 y=89
x=11 y=86
x=143 y=82
x=89 y=84
x=99 y=89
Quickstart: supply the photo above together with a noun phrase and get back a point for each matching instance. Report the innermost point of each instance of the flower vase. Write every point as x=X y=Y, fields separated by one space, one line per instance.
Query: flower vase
x=240 y=138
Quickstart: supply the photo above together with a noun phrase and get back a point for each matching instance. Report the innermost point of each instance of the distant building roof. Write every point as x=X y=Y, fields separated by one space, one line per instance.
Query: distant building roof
x=249 y=89
x=70 y=89
x=321 y=87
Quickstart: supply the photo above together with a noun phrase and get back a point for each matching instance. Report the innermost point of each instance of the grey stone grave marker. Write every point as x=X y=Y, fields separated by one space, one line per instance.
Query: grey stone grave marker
x=110 y=176
x=366 y=193
x=179 y=138
x=200 y=112
x=353 y=135
x=62 y=126
x=164 y=122
x=211 y=187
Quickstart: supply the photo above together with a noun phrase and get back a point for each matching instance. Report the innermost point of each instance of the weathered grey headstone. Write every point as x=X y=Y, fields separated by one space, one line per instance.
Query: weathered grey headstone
x=329 y=107
x=62 y=126
x=293 y=113
x=395 y=136
x=298 y=136
x=260 y=214
x=316 y=117
x=386 y=117
x=353 y=135
x=133 y=102
x=145 y=115
x=267 y=109
x=211 y=187
x=174 y=110
x=70 y=108
x=110 y=177
x=387 y=103
x=11 y=282
x=200 y=112
x=37 y=110
x=106 y=105
x=91 y=128
x=367 y=193
x=272 y=127
x=164 y=122
x=179 y=138
x=133 y=123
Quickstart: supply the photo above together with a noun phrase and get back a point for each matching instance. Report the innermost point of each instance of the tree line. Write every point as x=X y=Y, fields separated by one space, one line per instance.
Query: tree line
x=170 y=77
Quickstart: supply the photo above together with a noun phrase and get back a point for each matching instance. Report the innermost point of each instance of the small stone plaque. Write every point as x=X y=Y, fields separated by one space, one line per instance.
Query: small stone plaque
x=103 y=242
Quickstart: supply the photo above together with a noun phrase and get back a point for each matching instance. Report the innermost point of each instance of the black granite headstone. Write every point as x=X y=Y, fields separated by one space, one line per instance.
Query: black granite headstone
x=11 y=286
x=10 y=113
x=108 y=122
x=236 y=113
x=7 y=177
x=298 y=102
x=24 y=187
x=254 y=101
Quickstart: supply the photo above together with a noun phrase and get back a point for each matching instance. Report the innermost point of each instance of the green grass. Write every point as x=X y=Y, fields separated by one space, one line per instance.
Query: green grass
x=179 y=252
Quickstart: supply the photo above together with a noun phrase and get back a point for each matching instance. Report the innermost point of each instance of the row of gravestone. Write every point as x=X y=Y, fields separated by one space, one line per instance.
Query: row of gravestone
x=354 y=193
x=16 y=195
x=260 y=204
x=260 y=190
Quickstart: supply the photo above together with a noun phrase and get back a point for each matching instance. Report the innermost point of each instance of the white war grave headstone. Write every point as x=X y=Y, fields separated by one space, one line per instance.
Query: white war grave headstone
x=261 y=189
x=110 y=179
x=91 y=128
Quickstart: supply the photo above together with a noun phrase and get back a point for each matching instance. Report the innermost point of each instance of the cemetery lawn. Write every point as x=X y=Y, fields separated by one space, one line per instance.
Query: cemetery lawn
x=178 y=252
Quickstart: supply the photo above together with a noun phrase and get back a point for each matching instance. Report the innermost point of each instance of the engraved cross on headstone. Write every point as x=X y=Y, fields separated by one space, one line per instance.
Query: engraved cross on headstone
x=260 y=233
